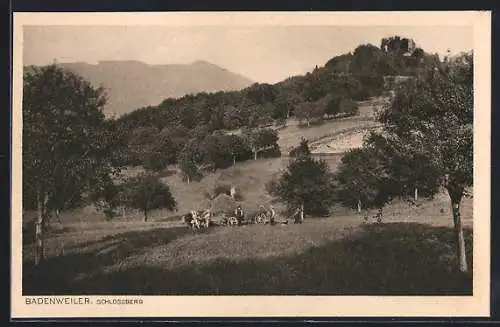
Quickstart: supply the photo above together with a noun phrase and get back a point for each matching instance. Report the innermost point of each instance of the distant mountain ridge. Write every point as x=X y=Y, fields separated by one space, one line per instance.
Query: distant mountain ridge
x=132 y=84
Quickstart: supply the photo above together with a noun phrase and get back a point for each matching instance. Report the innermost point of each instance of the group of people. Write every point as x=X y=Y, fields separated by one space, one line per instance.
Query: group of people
x=198 y=219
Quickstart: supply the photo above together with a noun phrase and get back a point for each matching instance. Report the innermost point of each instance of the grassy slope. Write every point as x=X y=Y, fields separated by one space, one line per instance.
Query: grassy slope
x=322 y=256
x=334 y=255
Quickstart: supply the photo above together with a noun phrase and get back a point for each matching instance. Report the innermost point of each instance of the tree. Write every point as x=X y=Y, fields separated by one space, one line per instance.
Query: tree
x=146 y=192
x=240 y=150
x=306 y=182
x=411 y=173
x=161 y=153
x=308 y=111
x=67 y=144
x=189 y=160
x=362 y=179
x=217 y=152
x=108 y=196
x=141 y=143
x=365 y=60
x=262 y=139
x=431 y=118
x=301 y=150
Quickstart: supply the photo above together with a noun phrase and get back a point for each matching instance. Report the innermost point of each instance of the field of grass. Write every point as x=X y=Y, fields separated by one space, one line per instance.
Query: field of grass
x=411 y=252
x=335 y=255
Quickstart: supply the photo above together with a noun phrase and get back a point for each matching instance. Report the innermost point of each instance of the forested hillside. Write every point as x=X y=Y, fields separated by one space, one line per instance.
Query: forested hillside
x=328 y=92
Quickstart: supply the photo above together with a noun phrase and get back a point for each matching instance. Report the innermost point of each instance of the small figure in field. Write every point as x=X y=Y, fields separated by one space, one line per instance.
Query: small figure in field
x=272 y=214
x=240 y=215
x=192 y=219
x=206 y=217
x=379 y=215
x=299 y=215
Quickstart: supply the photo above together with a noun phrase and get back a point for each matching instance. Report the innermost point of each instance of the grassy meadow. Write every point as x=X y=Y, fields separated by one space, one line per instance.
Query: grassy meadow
x=410 y=252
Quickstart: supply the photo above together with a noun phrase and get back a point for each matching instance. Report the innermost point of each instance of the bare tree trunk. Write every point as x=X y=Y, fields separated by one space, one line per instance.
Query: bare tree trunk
x=459 y=236
x=455 y=192
x=58 y=216
x=416 y=194
x=359 y=206
x=302 y=212
x=39 y=248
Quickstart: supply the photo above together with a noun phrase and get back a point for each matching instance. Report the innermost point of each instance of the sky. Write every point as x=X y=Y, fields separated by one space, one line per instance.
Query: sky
x=265 y=54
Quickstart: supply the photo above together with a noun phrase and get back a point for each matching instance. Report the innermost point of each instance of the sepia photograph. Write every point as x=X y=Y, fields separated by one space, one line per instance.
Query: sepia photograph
x=197 y=157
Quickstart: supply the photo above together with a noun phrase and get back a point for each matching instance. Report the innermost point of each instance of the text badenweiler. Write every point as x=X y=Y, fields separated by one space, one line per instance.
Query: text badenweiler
x=46 y=300
x=78 y=300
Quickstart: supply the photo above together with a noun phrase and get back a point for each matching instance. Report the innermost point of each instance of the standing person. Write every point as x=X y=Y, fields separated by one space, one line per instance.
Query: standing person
x=298 y=215
x=272 y=214
x=194 y=221
x=206 y=215
x=240 y=215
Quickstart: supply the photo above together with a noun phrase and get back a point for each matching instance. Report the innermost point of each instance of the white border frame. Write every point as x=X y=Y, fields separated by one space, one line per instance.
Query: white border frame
x=272 y=306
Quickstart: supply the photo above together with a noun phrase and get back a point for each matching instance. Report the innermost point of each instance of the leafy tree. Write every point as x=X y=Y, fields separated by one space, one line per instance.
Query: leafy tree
x=301 y=150
x=141 y=142
x=431 y=118
x=67 y=144
x=108 y=195
x=306 y=182
x=240 y=150
x=190 y=159
x=162 y=153
x=307 y=111
x=366 y=58
x=410 y=172
x=217 y=151
x=362 y=179
x=146 y=192
x=262 y=139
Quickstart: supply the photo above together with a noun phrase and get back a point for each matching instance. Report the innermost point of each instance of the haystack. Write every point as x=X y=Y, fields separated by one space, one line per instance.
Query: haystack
x=223 y=203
